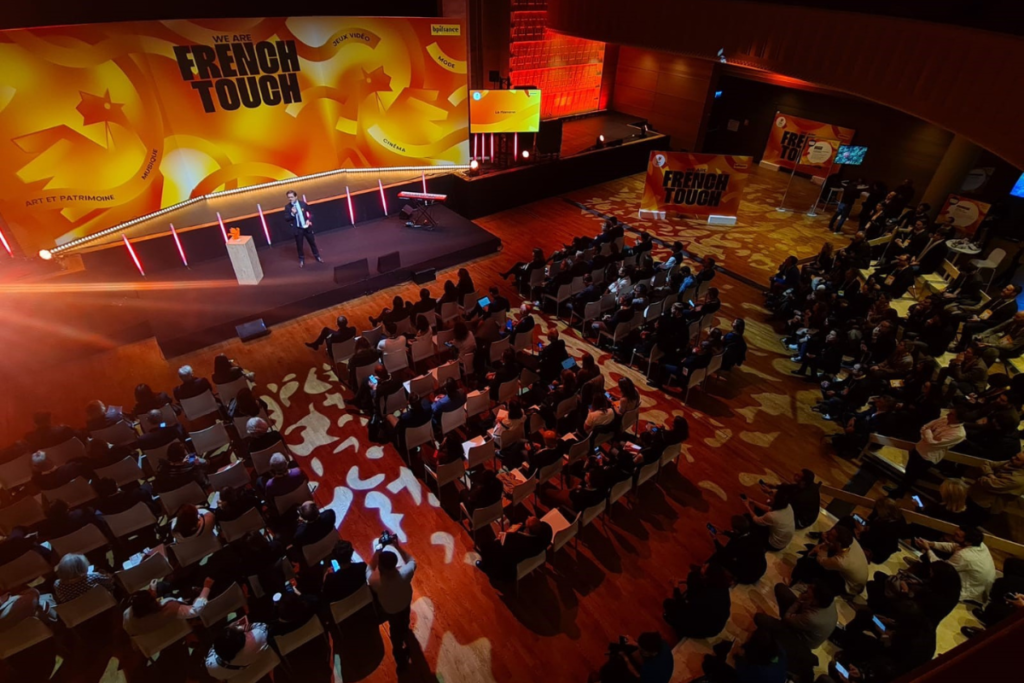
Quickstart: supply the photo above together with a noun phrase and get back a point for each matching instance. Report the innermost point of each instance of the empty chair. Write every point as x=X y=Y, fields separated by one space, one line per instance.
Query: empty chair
x=76 y=492
x=297 y=497
x=482 y=516
x=536 y=280
x=576 y=286
x=228 y=392
x=619 y=489
x=189 y=493
x=562 y=529
x=141 y=575
x=23 y=570
x=477 y=402
x=422 y=385
x=25 y=512
x=991 y=263
x=314 y=553
x=563 y=294
x=81 y=541
x=16 y=473
x=550 y=472
x=137 y=517
x=123 y=472
x=445 y=473
x=452 y=420
x=670 y=454
x=63 y=453
x=396 y=361
x=466 y=361
x=591 y=312
x=290 y=642
x=565 y=407
x=421 y=349
x=346 y=607
x=211 y=439
x=151 y=644
x=588 y=515
x=450 y=311
x=528 y=565
x=119 y=434
x=373 y=336
x=232 y=476
x=30 y=632
x=93 y=602
x=654 y=310
x=523 y=342
x=235 y=529
x=478 y=451
x=221 y=607
x=577 y=452
x=620 y=332
x=394 y=402
x=200 y=406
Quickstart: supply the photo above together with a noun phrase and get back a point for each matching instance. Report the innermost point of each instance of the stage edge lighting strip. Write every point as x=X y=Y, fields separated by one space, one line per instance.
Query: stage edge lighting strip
x=440 y=168
x=266 y=230
x=138 y=264
x=351 y=213
x=383 y=199
x=224 y=232
x=181 y=250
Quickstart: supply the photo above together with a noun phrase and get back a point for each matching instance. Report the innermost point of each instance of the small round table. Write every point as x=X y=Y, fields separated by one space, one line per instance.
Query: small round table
x=962 y=246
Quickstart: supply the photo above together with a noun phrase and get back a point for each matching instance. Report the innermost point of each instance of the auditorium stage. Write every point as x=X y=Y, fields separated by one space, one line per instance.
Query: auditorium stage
x=190 y=308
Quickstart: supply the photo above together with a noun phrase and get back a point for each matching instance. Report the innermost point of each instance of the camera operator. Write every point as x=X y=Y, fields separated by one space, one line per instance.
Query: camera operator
x=646 y=660
x=393 y=587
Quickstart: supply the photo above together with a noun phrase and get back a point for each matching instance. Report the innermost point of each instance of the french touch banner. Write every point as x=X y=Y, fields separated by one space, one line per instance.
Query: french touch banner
x=103 y=123
x=693 y=184
x=788 y=140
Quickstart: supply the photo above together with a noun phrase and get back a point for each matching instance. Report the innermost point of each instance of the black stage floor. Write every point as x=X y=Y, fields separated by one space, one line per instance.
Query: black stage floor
x=188 y=309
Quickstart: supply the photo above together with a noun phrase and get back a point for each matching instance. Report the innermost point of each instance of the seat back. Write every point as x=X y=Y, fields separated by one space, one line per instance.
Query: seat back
x=466 y=362
x=220 y=607
x=694 y=329
x=442 y=338
x=552 y=470
x=696 y=377
x=23 y=570
x=588 y=515
x=199 y=406
x=485 y=515
x=478 y=453
x=343 y=350
x=422 y=385
x=449 y=472
x=529 y=564
x=648 y=471
x=524 y=490
x=210 y=439
x=346 y=607
x=188 y=551
x=119 y=434
x=16 y=473
x=469 y=300
x=228 y=392
x=508 y=390
x=139 y=516
x=251 y=520
x=629 y=420
x=576 y=286
x=511 y=436
x=422 y=348
x=477 y=402
x=362 y=372
x=141 y=575
x=76 y=492
x=396 y=360
x=443 y=373
x=289 y=642
x=577 y=452
x=395 y=402
x=261 y=459
x=155 y=456
x=25 y=512
x=592 y=311
x=417 y=436
x=241 y=422
x=565 y=406
x=619 y=489
x=123 y=472
x=189 y=493
x=373 y=336
x=405 y=327
x=450 y=311
x=669 y=454
x=315 y=552
x=716 y=364
x=498 y=348
x=93 y=602
x=63 y=453
x=452 y=420
x=995 y=257
x=293 y=499
x=233 y=476
x=522 y=341
x=653 y=311
x=151 y=644
x=81 y=541
x=168 y=414
x=563 y=536
x=30 y=632
x=564 y=292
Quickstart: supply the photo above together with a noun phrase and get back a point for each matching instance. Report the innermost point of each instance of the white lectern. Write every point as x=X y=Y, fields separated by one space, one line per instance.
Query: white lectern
x=244 y=260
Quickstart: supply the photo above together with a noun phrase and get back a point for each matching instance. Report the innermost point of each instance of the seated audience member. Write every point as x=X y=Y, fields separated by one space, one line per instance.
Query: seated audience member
x=703 y=609
x=1007 y=596
x=261 y=557
x=392 y=341
x=776 y=524
x=15 y=608
x=810 y=616
x=192 y=523
x=61 y=520
x=235 y=502
x=450 y=450
x=517 y=543
x=628 y=399
x=498 y=304
x=734 y=345
x=16 y=545
x=537 y=456
x=971 y=558
x=936 y=593
x=46 y=434
x=551 y=357
x=622 y=316
x=100 y=416
x=426 y=303
x=260 y=435
x=191 y=386
x=226 y=371
x=449 y=295
x=507 y=369
x=523 y=271
x=112 y=500
x=75 y=578
x=237 y=647
x=160 y=433
x=763 y=660
x=998 y=310
x=146 y=400
x=999 y=486
x=245 y=404
x=282 y=479
x=1006 y=337
x=803 y=493
x=465 y=282
x=423 y=328
x=364 y=356
x=349 y=577
x=416 y=415
x=47 y=476
x=313 y=525
x=102 y=454
x=330 y=337
x=149 y=612
x=590 y=491
x=179 y=469
x=484 y=491
x=648 y=659
x=448 y=400
x=743 y=555
x=880 y=535
x=463 y=340
x=600 y=415
x=837 y=561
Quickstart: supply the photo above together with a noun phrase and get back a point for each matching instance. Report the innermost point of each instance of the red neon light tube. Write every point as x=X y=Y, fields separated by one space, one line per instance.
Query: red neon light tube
x=266 y=230
x=383 y=199
x=7 y=247
x=351 y=212
x=181 y=250
x=222 y=230
x=492 y=148
x=515 y=146
x=131 y=251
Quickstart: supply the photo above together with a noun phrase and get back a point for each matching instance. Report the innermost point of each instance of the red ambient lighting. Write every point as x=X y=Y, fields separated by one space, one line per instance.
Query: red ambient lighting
x=351 y=212
x=492 y=148
x=131 y=251
x=383 y=199
x=181 y=250
x=222 y=230
x=266 y=230
x=515 y=146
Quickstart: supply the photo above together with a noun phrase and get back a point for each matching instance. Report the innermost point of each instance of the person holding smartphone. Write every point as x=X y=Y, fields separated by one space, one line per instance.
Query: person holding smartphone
x=346 y=576
x=743 y=554
x=391 y=582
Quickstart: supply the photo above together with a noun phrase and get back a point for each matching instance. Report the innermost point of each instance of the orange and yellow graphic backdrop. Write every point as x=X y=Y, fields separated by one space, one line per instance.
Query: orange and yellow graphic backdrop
x=693 y=184
x=504 y=111
x=100 y=124
x=788 y=139
x=967 y=213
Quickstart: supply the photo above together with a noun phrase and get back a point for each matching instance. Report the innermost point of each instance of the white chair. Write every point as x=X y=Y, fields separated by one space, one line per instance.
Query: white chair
x=346 y=607
x=423 y=386
x=536 y=280
x=452 y=420
x=523 y=490
x=374 y=336
x=563 y=294
x=588 y=515
x=261 y=459
x=119 y=434
x=200 y=406
x=478 y=451
x=562 y=529
x=469 y=300
x=510 y=437
x=189 y=493
x=482 y=516
x=63 y=453
x=290 y=642
x=211 y=439
x=619 y=489
x=565 y=407
x=591 y=312
x=233 y=476
x=508 y=390
x=421 y=349
x=523 y=341
x=188 y=551
x=81 y=541
x=221 y=607
x=477 y=402
x=629 y=420
x=30 y=632
x=466 y=361
x=251 y=520
x=168 y=414
x=228 y=392
x=16 y=473
x=341 y=353
x=669 y=455
x=362 y=372
x=92 y=603
x=442 y=338
x=577 y=452
x=550 y=472
x=151 y=644
x=26 y=512
x=314 y=553
x=155 y=456
x=653 y=311
x=137 y=517
x=123 y=472
x=443 y=373
x=497 y=349
x=695 y=379
x=418 y=436
x=395 y=402
x=647 y=472
x=396 y=361
x=23 y=570
x=528 y=565
x=450 y=311
x=995 y=257
x=289 y=500
x=76 y=492
x=445 y=473
x=576 y=286
x=141 y=575
x=714 y=366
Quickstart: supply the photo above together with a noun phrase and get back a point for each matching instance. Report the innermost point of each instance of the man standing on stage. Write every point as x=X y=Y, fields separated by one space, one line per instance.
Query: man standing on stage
x=299 y=216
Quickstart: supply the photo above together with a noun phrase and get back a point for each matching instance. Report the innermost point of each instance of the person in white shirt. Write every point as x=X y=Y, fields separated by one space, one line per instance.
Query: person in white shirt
x=600 y=414
x=937 y=437
x=148 y=613
x=838 y=560
x=237 y=647
x=392 y=342
x=971 y=558
x=392 y=584
x=777 y=523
